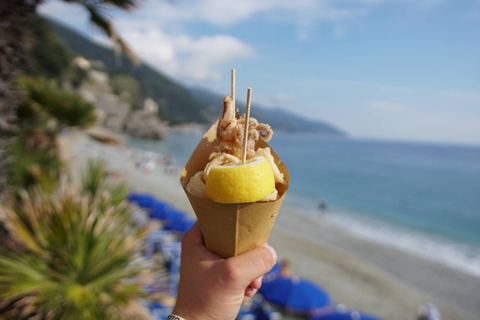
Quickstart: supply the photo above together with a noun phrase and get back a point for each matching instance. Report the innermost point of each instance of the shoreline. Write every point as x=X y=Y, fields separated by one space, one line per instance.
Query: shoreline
x=356 y=270
x=459 y=256
x=359 y=273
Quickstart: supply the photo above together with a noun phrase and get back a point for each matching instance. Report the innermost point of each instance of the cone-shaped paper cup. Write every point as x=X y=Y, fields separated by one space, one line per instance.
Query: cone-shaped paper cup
x=231 y=229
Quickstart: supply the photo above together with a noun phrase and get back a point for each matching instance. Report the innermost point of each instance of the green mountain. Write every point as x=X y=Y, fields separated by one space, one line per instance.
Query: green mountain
x=277 y=117
x=178 y=104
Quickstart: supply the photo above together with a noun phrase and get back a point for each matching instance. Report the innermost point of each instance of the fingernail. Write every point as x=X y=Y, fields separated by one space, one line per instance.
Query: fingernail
x=272 y=250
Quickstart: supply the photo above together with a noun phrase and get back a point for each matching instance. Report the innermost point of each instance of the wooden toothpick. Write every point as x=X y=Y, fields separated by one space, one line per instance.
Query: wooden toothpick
x=233 y=87
x=247 y=119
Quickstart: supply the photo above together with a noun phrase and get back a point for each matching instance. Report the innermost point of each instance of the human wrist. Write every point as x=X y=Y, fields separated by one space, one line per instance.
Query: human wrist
x=174 y=317
x=185 y=314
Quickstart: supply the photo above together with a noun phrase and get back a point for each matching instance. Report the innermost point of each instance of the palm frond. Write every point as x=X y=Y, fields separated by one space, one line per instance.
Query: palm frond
x=95 y=183
x=98 y=20
x=27 y=271
x=127 y=5
x=81 y=249
x=43 y=95
x=28 y=160
x=94 y=177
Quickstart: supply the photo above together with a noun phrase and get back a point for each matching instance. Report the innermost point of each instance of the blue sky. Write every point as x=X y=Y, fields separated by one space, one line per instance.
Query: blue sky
x=381 y=69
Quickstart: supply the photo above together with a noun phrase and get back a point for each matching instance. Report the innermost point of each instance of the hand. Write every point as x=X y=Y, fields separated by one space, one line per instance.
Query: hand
x=212 y=287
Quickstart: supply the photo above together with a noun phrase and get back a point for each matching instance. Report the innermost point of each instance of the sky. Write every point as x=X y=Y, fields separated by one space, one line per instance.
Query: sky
x=405 y=70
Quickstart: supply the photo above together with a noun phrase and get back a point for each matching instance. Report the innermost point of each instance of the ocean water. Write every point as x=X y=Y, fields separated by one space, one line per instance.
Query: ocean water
x=421 y=198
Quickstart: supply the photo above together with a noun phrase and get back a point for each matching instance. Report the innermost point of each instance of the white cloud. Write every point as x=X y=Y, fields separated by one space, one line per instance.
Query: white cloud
x=179 y=55
x=384 y=105
x=463 y=97
x=283 y=99
x=64 y=12
x=185 y=57
x=304 y=14
x=157 y=30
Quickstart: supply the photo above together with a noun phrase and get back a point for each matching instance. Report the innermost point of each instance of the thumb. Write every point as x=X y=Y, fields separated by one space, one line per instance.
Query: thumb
x=255 y=263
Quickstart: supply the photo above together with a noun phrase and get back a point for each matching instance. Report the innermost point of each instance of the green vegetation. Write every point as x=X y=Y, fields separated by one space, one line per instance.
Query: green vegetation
x=66 y=251
x=125 y=84
x=76 y=262
x=44 y=110
x=50 y=56
x=73 y=244
x=176 y=104
x=22 y=174
x=44 y=96
x=94 y=182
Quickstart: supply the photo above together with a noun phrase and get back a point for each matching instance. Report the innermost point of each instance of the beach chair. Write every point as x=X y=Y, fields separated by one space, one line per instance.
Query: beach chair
x=171 y=252
x=156 y=239
x=140 y=218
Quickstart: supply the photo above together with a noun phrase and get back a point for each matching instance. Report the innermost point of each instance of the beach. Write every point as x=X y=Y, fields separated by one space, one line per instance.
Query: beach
x=358 y=273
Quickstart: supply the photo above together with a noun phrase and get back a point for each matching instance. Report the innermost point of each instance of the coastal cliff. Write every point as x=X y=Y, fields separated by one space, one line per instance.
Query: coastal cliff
x=114 y=108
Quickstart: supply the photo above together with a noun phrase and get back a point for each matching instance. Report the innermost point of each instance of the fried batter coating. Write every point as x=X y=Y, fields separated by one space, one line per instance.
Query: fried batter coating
x=265 y=152
x=196 y=185
x=231 y=128
x=230 y=133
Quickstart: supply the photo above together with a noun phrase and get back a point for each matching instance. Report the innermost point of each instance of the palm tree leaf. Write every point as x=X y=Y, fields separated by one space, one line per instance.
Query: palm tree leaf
x=127 y=5
x=106 y=26
x=21 y=231
x=82 y=265
x=22 y=275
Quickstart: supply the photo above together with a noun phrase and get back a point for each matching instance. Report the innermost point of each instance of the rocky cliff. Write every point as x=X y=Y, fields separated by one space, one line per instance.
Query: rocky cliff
x=114 y=111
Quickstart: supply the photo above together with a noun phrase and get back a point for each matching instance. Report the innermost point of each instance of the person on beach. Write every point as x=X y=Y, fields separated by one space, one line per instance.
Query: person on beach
x=285 y=270
x=322 y=208
x=211 y=287
x=428 y=312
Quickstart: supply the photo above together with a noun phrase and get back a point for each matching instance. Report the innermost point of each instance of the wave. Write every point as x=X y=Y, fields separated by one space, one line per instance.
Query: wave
x=459 y=256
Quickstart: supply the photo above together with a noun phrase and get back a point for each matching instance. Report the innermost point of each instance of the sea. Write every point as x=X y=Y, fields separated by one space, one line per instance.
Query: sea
x=418 y=197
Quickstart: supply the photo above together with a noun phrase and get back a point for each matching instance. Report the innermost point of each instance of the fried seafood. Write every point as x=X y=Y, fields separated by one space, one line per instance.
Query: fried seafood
x=231 y=129
x=230 y=134
x=196 y=185
x=265 y=152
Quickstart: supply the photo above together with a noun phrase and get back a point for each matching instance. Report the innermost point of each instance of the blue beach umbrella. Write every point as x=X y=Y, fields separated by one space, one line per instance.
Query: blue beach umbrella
x=137 y=196
x=272 y=274
x=177 y=221
x=187 y=225
x=345 y=315
x=275 y=269
x=133 y=196
x=296 y=294
x=160 y=209
x=171 y=213
x=145 y=200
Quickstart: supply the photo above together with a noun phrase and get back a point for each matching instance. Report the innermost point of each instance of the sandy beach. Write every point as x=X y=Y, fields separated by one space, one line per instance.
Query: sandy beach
x=358 y=273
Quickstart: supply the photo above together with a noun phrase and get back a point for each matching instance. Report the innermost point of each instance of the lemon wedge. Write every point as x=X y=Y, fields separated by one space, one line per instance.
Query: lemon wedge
x=240 y=183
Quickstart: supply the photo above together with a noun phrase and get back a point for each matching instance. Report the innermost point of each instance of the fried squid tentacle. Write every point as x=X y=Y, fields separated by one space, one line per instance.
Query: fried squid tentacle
x=231 y=127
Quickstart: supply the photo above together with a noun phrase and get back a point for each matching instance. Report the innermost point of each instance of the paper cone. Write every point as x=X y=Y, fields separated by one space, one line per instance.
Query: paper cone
x=231 y=229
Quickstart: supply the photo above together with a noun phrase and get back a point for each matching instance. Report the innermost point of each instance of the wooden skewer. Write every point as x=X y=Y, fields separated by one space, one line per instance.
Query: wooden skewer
x=247 y=119
x=233 y=87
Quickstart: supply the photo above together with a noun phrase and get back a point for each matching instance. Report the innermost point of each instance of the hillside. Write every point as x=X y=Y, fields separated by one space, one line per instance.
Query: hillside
x=277 y=117
x=178 y=104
